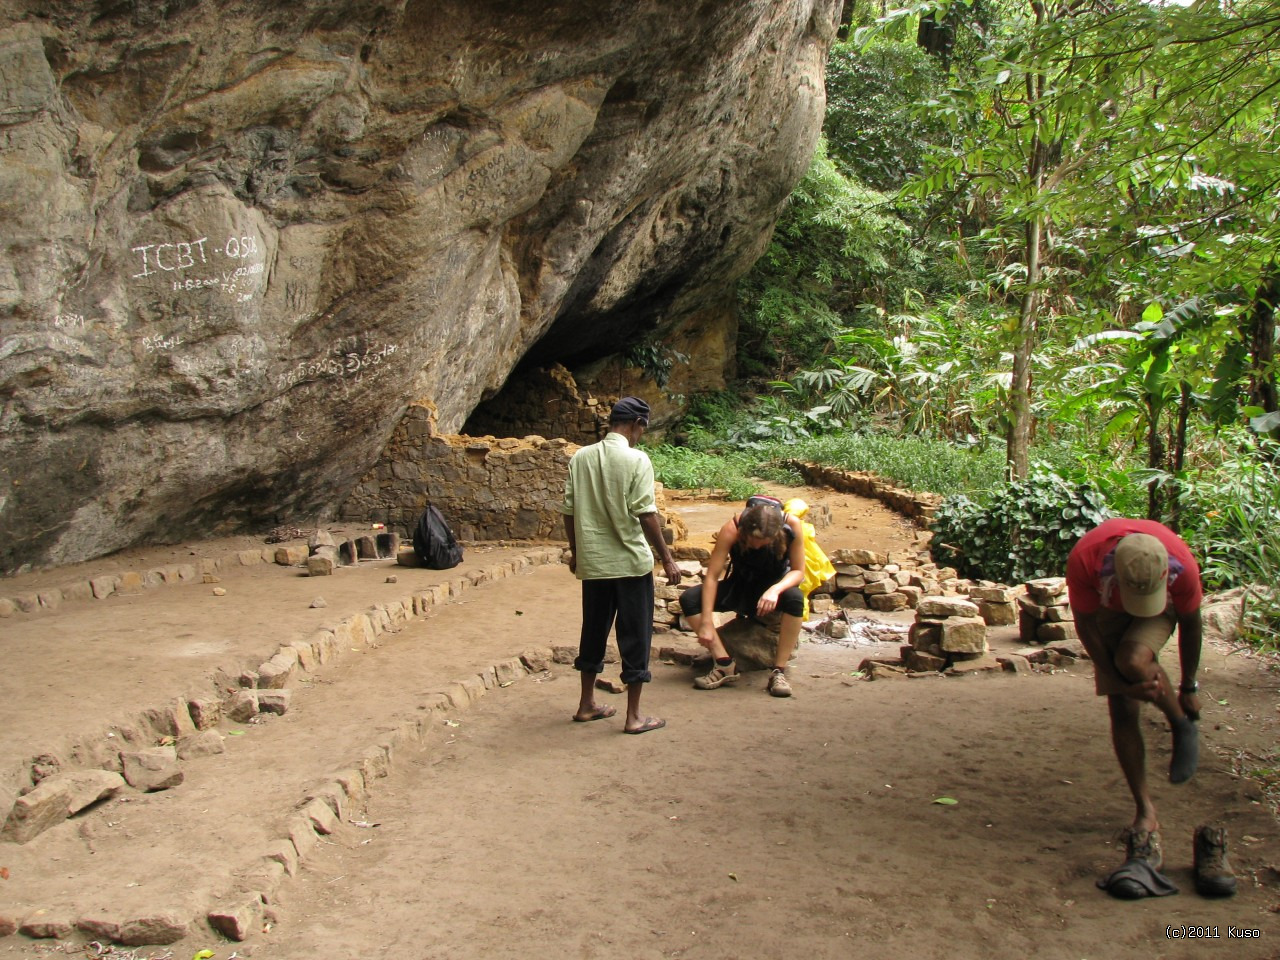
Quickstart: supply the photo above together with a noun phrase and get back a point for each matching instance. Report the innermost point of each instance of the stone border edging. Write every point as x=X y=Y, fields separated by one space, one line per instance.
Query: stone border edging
x=240 y=913
x=130 y=582
x=133 y=582
x=321 y=811
x=918 y=507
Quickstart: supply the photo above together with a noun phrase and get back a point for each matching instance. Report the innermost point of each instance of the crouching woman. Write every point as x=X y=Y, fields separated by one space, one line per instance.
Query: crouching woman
x=760 y=553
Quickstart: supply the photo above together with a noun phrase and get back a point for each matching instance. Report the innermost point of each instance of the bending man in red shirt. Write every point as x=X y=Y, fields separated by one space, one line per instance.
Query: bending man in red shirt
x=1131 y=582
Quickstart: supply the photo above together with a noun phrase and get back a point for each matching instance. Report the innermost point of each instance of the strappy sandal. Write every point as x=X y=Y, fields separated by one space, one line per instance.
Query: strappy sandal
x=718 y=677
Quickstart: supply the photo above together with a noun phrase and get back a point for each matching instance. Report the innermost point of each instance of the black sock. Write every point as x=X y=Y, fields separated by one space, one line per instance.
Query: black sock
x=723 y=661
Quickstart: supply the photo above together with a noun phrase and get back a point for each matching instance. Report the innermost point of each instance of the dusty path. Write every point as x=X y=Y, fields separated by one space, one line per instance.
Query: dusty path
x=748 y=827
x=751 y=827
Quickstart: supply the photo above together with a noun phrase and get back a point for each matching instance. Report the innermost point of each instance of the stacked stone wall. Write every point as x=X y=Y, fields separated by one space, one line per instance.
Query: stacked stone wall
x=547 y=403
x=487 y=488
x=1044 y=615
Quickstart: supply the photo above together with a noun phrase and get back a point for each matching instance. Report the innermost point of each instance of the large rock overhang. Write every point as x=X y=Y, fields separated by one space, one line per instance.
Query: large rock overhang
x=240 y=238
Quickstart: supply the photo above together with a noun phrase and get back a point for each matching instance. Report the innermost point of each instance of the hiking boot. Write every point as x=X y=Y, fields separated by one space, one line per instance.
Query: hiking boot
x=1143 y=845
x=1214 y=877
x=778 y=684
x=718 y=677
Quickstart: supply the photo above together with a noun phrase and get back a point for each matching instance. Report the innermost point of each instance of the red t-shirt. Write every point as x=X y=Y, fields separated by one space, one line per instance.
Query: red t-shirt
x=1091 y=575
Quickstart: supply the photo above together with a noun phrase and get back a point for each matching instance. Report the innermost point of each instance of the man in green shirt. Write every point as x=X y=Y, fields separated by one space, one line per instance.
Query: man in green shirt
x=609 y=514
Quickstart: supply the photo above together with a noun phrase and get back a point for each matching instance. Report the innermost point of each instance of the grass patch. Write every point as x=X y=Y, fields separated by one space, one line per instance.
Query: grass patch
x=922 y=465
x=681 y=468
x=917 y=463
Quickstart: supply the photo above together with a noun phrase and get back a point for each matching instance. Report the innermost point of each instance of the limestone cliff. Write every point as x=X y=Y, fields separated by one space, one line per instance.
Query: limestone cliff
x=240 y=237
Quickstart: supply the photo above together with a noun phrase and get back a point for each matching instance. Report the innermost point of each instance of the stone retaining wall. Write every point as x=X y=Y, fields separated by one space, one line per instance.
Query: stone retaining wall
x=487 y=488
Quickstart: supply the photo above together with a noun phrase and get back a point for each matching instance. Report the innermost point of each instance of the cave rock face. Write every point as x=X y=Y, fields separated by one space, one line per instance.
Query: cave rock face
x=241 y=237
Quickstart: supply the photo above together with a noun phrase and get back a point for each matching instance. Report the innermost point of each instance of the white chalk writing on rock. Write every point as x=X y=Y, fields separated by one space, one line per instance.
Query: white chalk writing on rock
x=340 y=362
x=160 y=343
x=226 y=281
x=185 y=254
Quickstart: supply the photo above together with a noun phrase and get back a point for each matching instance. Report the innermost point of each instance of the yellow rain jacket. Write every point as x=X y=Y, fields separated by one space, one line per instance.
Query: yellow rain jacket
x=817 y=567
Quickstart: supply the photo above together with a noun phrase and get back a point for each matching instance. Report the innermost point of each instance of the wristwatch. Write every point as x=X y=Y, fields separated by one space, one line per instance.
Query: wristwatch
x=1192 y=687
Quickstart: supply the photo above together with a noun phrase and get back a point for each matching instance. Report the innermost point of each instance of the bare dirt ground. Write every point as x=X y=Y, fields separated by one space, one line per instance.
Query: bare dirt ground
x=747 y=827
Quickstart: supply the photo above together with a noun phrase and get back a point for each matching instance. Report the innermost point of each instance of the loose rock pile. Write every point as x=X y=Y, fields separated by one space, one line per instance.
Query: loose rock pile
x=885 y=582
x=996 y=603
x=948 y=635
x=949 y=625
x=952 y=613
x=865 y=579
x=1044 y=615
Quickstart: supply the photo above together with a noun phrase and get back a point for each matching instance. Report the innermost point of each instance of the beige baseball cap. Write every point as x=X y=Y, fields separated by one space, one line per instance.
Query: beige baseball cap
x=1142 y=575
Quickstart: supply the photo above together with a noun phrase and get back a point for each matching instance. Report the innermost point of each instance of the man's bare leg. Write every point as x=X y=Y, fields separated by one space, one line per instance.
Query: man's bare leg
x=1138 y=663
x=636 y=723
x=1131 y=751
x=588 y=709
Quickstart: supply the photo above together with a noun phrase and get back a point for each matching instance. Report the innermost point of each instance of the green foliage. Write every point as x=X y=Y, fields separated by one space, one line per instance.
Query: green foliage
x=775 y=423
x=652 y=357
x=874 y=130
x=1232 y=521
x=683 y=469
x=1140 y=141
x=916 y=463
x=935 y=372
x=758 y=438
x=1183 y=97
x=1019 y=532
x=832 y=245
x=709 y=418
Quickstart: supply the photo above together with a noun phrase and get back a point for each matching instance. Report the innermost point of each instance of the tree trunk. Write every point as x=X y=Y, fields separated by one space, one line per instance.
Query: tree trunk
x=1155 y=456
x=1179 y=458
x=1018 y=439
x=936 y=37
x=1262 y=342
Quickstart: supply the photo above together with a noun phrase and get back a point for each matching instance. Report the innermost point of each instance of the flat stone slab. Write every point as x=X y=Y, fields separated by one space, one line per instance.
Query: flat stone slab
x=56 y=798
x=946 y=607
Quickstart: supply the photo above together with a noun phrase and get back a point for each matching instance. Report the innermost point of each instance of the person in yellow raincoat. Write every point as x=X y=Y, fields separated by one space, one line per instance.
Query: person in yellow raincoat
x=817 y=566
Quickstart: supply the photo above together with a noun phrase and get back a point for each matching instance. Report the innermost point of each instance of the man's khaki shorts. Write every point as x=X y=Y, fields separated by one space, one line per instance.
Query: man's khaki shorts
x=1118 y=629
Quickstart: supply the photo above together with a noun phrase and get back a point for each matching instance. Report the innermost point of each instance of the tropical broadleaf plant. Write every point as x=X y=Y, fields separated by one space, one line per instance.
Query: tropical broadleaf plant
x=1020 y=531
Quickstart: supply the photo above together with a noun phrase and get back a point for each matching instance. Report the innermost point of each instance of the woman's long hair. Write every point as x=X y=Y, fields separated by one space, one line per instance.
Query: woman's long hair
x=765 y=521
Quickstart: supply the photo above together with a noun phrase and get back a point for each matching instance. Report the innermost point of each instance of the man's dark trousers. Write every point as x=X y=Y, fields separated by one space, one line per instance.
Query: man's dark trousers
x=629 y=600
